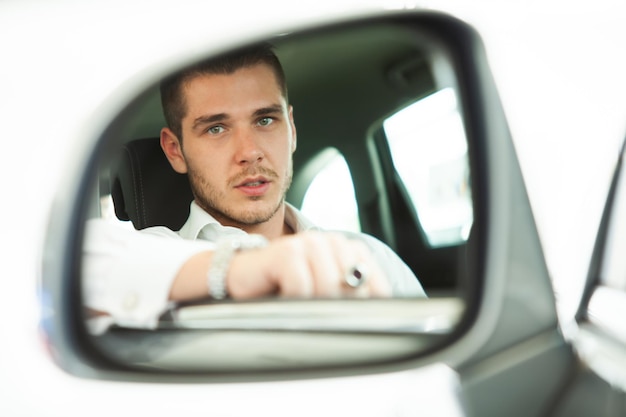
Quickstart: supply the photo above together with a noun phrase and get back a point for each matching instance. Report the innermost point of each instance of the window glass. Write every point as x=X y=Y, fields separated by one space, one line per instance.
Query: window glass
x=614 y=263
x=607 y=305
x=329 y=200
x=107 y=208
x=429 y=151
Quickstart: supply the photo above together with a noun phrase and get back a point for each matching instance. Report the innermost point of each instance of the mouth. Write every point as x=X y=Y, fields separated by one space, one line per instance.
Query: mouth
x=253 y=182
x=254 y=186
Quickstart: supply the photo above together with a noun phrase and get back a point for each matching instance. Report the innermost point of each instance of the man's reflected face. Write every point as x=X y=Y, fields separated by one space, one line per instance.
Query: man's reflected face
x=239 y=137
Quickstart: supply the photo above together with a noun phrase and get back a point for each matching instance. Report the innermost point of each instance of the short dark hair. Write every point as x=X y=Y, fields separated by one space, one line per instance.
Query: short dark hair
x=173 y=100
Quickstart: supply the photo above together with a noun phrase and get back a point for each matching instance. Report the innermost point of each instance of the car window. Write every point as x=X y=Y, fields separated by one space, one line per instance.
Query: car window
x=332 y=182
x=608 y=297
x=601 y=333
x=429 y=150
x=614 y=263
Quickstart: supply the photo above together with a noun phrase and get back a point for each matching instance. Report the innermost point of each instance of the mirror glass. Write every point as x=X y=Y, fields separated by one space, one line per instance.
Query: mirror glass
x=373 y=127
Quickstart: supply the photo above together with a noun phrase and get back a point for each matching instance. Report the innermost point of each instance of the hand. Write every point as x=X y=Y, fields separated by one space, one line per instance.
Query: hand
x=306 y=265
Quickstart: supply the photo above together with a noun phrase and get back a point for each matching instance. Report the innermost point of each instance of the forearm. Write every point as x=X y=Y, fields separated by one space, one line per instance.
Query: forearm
x=128 y=275
x=134 y=277
x=191 y=280
x=243 y=278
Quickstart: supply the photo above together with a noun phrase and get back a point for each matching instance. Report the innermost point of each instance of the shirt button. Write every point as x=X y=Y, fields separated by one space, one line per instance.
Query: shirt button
x=130 y=301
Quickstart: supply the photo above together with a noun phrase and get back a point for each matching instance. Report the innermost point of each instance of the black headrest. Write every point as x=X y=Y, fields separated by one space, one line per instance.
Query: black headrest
x=146 y=190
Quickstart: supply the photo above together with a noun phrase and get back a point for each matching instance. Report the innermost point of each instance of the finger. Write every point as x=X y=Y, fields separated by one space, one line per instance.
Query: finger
x=323 y=264
x=291 y=269
x=358 y=255
x=279 y=269
x=348 y=255
x=378 y=283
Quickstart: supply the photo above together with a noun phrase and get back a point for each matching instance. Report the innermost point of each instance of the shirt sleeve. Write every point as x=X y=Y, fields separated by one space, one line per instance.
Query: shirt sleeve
x=127 y=274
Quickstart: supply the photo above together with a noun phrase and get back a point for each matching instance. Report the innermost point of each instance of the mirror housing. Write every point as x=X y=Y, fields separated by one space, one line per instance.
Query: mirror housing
x=501 y=211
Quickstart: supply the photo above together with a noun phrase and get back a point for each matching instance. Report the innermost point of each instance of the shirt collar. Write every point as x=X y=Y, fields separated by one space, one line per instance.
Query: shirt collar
x=297 y=221
x=201 y=225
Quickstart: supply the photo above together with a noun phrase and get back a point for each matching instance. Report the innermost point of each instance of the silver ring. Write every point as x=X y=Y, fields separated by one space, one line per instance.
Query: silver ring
x=356 y=276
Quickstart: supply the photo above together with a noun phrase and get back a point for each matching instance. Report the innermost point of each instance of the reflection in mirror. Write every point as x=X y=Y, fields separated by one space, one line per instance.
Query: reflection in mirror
x=201 y=238
x=332 y=182
x=429 y=151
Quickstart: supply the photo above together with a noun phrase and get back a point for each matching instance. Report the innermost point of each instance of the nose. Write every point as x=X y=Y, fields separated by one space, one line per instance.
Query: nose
x=247 y=150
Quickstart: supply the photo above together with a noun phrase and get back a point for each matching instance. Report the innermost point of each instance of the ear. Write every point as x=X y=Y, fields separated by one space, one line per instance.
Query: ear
x=173 y=150
x=294 y=137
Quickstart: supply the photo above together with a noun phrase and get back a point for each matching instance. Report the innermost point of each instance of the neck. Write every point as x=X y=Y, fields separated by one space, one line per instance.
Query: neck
x=272 y=228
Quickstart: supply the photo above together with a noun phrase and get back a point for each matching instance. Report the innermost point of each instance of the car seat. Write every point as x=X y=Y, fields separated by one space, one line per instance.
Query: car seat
x=145 y=188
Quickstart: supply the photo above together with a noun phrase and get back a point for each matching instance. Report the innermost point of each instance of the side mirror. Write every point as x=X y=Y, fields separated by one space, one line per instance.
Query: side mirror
x=350 y=83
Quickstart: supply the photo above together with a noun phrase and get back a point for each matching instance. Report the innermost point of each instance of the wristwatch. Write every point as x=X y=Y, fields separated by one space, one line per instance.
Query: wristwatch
x=223 y=255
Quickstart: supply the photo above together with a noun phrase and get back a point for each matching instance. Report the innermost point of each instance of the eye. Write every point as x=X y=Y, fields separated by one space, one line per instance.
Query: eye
x=215 y=130
x=265 y=121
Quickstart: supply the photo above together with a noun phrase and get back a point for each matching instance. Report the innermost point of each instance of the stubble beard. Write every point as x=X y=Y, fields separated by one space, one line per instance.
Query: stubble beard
x=214 y=201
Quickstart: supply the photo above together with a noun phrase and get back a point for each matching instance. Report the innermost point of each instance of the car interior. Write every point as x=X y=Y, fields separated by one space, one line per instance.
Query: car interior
x=380 y=133
x=335 y=110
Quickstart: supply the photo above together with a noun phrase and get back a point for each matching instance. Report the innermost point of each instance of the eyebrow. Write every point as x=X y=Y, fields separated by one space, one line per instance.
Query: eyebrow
x=204 y=120
x=275 y=108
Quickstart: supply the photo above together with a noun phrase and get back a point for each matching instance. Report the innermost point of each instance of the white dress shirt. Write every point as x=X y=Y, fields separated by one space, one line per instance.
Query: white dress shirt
x=128 y=274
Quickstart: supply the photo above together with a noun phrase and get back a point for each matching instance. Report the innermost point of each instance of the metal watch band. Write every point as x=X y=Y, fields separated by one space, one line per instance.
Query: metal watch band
x=222 y=257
